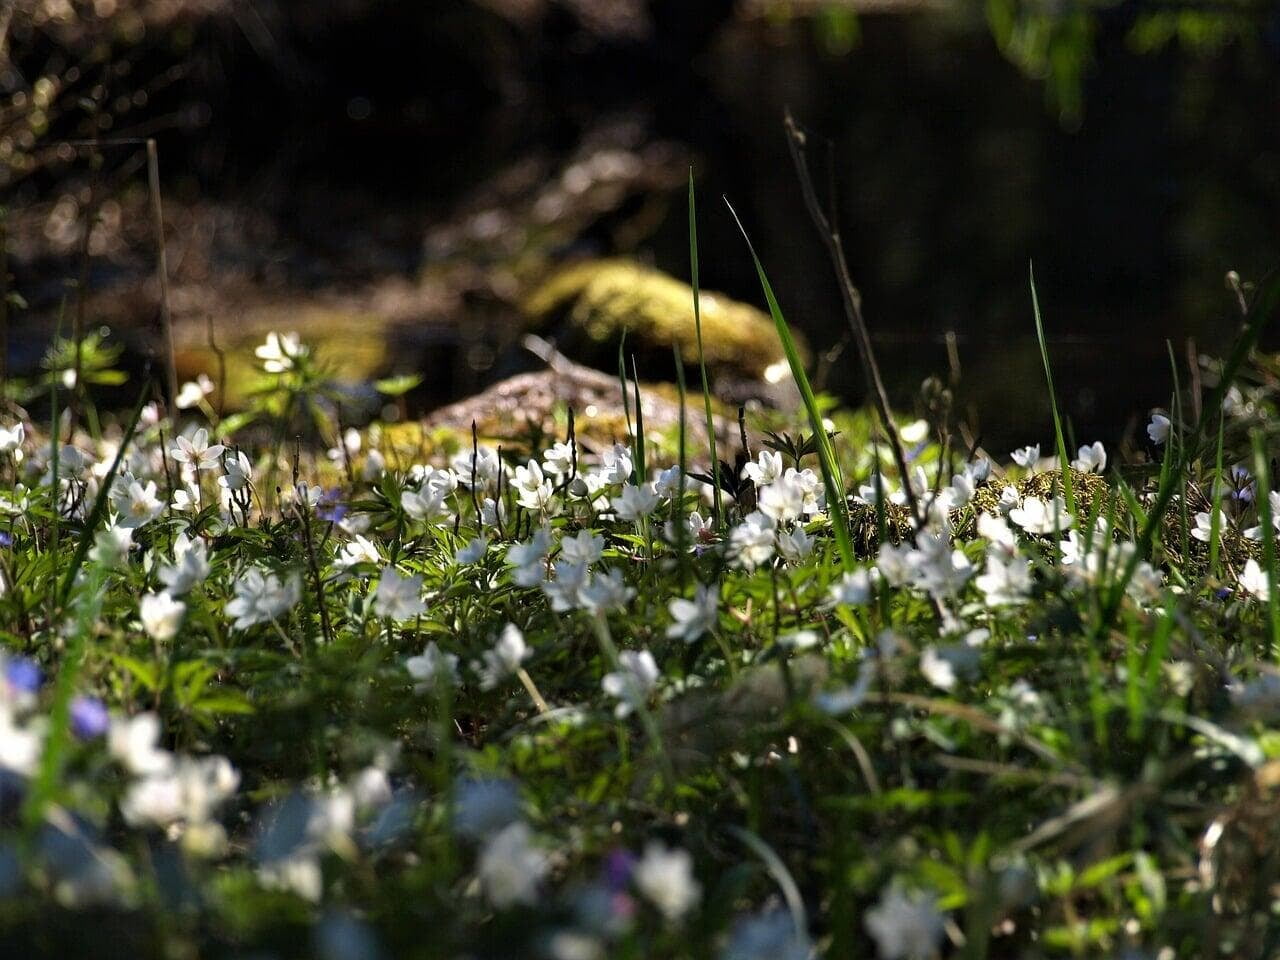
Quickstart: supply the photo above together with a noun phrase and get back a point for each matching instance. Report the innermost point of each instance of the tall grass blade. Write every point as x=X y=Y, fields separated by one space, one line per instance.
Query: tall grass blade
x=1215 y=534
x=642 y=472
x=702 y=362
x=1262 y=484
x=831 y=476
x=1064 y=459
x=1261 y=311
x=99 y=509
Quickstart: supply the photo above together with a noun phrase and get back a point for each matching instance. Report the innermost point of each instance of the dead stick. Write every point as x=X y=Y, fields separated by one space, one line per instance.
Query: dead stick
x=852 y=299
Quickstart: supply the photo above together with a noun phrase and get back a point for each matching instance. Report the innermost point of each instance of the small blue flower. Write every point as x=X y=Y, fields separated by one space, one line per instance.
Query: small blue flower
x=330 y=506
x=23 y=674
x=6 y=539
x=618 y=866
x=88 y=717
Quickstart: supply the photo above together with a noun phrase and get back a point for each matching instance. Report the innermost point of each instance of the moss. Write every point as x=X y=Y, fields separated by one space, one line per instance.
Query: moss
x=351 y=344
x=600 y=299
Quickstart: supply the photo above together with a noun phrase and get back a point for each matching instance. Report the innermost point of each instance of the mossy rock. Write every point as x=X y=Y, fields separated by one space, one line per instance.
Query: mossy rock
x=1089 y=490
x=588 y=306
x=353 y=345
x=528 y=412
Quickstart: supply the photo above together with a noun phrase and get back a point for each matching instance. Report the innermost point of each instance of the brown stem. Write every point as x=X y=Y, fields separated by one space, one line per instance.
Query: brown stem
x=830 y=233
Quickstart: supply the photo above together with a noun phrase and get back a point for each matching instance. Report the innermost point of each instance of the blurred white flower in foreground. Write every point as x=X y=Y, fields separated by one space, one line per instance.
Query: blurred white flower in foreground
x=665 y=878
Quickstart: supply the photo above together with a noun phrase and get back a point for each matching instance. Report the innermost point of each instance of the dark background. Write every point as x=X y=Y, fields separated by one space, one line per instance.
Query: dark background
x=325 y=146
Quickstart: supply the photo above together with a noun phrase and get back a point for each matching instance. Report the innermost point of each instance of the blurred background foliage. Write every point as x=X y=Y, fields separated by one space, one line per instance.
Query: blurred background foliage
x=410 y=173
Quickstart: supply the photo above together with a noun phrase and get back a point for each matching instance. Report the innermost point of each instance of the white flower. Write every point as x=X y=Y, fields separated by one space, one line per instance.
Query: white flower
x=766 y=469
x=1273 y=500
x=997 y=533
x=531 y=552
x=961 y=490
x=1006 y=581
x=298 y=873
x=795 y=545
x=585 y=548
x=633 y=683
x=132 y=741
x=1026 y=457
x=185 y=794
x=533 y=490
x=161 y=615
x=782 y=500
x=239 y=473
x=1253 y=579
x=894 y=564
x=473 y=552
x=485 y=464
x=852 y=589
x=668 y=482
x=397 y=597
x=1036 y=516
x=510 y=867
x=1158 y=429
x=752 y=541
x=261 y=597
x=1091 y=459
x=11 y=437
x=136 y=503
x=936 y=568
x=693 y=618
x=427 y=505
x=431 y=666
x=604 y=593
x=505 y=657
x=905 y=928
x=665 y=878
x=111 y=546
x=20 y=747
x=636 y=503
x=558 y=459
x=562 y=589
x=529 y=558
x=942 y=665
x=800 y=639
x=279 y=352
x=197 y=451
x=616 y=464
x=357 y=551
x=193 y=391
x=1204 y=526
x=190 y=566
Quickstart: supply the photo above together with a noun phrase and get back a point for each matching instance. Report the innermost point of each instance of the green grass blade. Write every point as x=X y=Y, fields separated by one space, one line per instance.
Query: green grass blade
x=702 y=362
x=826 y=453
x=100 y=503
x=677 y=507
x=642 y=473
x=1215 y=535
x=1064 y=459
x=1262 y=488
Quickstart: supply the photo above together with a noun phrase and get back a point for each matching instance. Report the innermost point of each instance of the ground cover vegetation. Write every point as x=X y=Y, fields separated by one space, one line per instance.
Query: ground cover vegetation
x=277 y=686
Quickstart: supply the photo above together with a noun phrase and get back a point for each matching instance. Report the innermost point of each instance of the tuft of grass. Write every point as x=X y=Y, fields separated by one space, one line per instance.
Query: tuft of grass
x=830 y=466
x=1064 y=459
x=702 y=360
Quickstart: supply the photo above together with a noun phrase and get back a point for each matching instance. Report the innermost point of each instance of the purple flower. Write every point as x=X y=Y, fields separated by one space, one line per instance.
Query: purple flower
x=23 y=674
x=618 y=866
x=88 y=717
x=330 y=506
x=6 y=538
